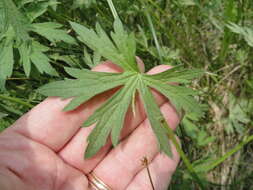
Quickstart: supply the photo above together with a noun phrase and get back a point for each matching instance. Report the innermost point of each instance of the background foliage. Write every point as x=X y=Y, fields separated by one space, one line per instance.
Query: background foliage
x=36 y=42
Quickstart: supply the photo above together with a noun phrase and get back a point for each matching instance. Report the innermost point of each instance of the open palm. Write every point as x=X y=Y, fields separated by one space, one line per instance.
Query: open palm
x=44 y=149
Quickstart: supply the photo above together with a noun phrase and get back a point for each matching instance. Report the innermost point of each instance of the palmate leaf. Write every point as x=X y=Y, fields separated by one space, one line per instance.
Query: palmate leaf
x=85 y=87
x=155 y=117
x=121 y=53
x=37 y=8
x=15 y=31
x=109 y=118
x=12 y=17
x=181 y=97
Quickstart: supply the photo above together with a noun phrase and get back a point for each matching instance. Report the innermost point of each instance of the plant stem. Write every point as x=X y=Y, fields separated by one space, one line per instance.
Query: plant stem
x=114 y=12
x=145 y=163
x=16 y=100
x=187 y=163
x=230 y=153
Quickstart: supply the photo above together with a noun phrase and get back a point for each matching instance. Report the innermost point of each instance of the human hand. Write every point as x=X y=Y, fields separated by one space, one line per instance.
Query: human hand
x=44 y=149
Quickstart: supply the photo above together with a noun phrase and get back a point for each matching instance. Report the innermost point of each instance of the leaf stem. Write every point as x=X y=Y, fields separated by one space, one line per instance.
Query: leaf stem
x=16 y=100
x=189 y=166
x=113 y=10
x=230 y=153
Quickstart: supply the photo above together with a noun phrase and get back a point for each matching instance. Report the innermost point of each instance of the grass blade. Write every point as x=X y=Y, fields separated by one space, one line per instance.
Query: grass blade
x=114 y=12
x=151 y=26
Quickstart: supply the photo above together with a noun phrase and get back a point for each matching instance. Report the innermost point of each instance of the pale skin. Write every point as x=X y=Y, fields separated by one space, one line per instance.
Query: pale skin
x=44 y=149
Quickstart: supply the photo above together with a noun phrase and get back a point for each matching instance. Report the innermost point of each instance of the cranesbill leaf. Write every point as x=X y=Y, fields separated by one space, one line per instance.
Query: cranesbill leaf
x=87 y=85
x=155 y=117
x=109 y=118
x=125 y=43
x=181 y=97
x=97 y=41
x=177 y=75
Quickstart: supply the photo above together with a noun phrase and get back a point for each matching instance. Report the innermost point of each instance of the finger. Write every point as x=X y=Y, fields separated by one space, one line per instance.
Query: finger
x=73 y=152
x=161 y=170
x=140 y=64
x=33 y=165
x=124 y=160
x=49 y=125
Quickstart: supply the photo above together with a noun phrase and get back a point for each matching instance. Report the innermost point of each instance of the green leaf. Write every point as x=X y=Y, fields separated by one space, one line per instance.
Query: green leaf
x=125 y=43
x=238 y=114
x=51 y=31
x=25 y=51
x=42 y=62
x=155 y=117
x=15 y=27
x=109 y=117
x=6 y=59
x=176 y=75
x=181 y=97
x=111 y=120
x=13 y=18
x=117 y=53
x=36 y=9
x=87 y=85
x=34 y=53
x=3 y=20
x=246 y=32
x=203 y=138
x=88 y=58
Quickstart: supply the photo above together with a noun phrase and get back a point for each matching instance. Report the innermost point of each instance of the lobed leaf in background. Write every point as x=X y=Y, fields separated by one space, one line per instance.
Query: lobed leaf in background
x=13 y=18
x=34 y=9
x=239 y=111
x=195 y=132
x=15 y=34
x=109 y=118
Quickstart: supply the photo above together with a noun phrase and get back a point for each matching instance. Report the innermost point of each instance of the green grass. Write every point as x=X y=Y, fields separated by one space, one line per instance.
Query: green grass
x=188 y=32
